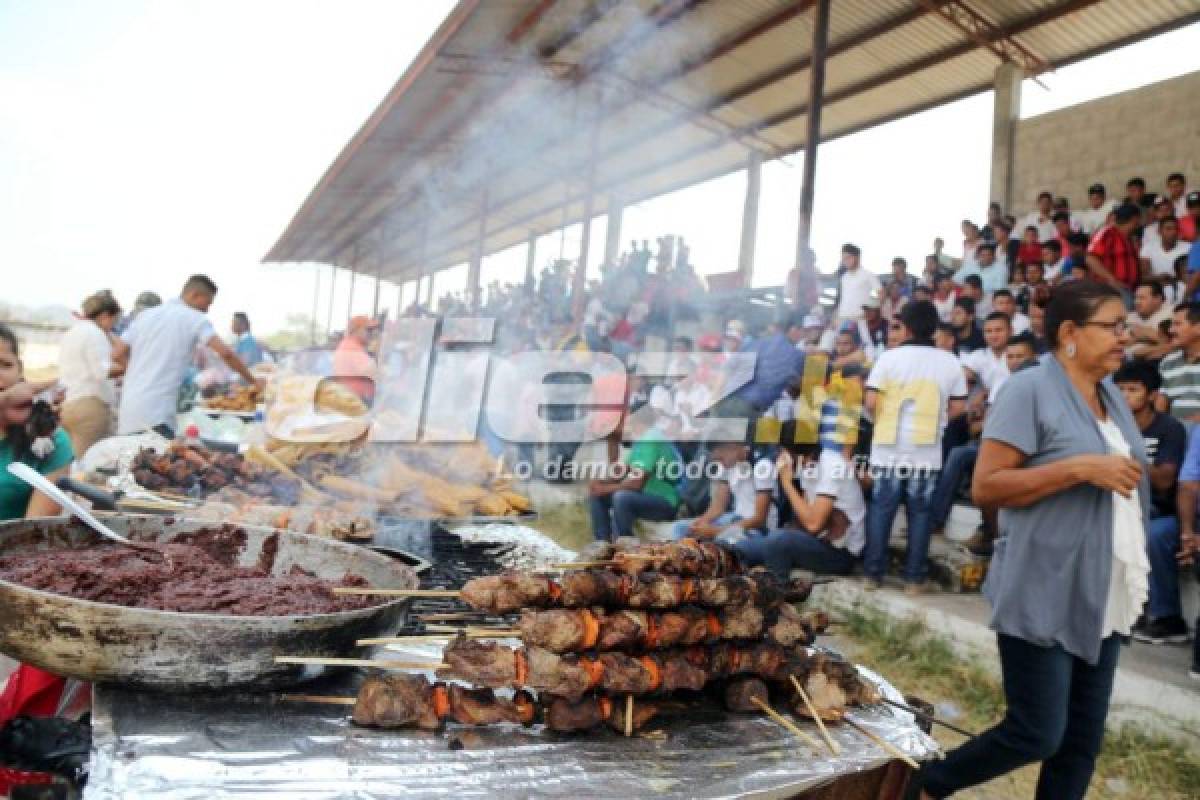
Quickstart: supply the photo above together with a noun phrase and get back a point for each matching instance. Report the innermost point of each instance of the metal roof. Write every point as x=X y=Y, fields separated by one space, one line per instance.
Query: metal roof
x=515 y=106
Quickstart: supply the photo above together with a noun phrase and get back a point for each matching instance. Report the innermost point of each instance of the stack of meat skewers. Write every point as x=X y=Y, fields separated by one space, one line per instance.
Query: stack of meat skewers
x=646 y=623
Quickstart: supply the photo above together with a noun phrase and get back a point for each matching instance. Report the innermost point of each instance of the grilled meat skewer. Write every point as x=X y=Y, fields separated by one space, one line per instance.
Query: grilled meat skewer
x=579 y=630
x=686 y=557
x=411 y=701
x=497 y=666
x=513 y=591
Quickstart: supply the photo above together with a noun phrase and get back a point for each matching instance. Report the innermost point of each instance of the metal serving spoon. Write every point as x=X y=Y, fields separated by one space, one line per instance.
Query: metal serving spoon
x=39 y=482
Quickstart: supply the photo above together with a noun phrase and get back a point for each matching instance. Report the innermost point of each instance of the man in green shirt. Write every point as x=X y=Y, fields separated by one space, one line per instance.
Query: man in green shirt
x=640 y=487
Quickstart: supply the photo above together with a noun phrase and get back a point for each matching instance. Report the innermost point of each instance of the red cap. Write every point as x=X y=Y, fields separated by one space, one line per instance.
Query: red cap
x=359 y=321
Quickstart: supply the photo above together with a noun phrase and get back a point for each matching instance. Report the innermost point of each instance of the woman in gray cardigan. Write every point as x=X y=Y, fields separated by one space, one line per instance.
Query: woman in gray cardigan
x=1063 y=460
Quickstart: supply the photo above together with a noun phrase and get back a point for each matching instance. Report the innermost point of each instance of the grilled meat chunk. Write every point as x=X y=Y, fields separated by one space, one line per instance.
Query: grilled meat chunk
x=483 y=707
x=787 y=627
x=686 y=626
x=651 y=590
x=740 y=694
x=742 y=622
x=507 y=592
x=642 y=714
x=559 y=631
x=396 y=700
x=556 y=675
x=625 y=674
x=565 y=715
x=678 y=673
x=622 y=630
x=482 y=663
x=591 y=587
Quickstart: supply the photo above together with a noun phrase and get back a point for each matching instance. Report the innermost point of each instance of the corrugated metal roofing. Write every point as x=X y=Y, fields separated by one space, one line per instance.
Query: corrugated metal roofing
x=514 y=105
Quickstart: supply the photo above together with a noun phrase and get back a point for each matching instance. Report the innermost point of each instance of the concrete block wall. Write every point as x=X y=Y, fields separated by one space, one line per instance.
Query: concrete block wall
x=1152 y=132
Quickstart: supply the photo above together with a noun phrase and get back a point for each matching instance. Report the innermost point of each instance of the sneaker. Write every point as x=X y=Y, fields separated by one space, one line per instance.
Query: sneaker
x=1194 y=673
x=916 y=589
x=1168 y=630
x=873 y=584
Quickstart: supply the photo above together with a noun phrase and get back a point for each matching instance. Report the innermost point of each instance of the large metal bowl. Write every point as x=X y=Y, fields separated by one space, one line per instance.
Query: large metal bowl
x=168 y=650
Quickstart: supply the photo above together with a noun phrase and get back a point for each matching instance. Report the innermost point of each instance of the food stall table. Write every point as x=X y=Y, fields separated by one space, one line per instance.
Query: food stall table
x=179 y=747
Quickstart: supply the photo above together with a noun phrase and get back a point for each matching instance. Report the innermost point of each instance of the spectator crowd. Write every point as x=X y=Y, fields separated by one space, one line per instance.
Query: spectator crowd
x=877 y=396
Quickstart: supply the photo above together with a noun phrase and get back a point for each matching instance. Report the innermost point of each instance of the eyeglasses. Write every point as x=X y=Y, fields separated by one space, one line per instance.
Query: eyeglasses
x=1118 y=328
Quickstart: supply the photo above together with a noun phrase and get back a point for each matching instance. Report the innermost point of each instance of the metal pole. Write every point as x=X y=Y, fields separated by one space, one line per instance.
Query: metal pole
x=589 y=200
x=332 y=286
x=612 y=233
x=378 y=278
x=475 y=266
x=530 y=262
x=312 y=326
x=816 y=98
x=750 y=219
x=350 y=301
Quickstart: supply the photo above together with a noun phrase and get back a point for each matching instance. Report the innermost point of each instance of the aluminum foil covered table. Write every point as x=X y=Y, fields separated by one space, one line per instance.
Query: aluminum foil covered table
x=185 y=747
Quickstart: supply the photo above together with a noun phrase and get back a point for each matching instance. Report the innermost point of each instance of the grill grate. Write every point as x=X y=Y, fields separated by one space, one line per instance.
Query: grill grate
x=454 y=563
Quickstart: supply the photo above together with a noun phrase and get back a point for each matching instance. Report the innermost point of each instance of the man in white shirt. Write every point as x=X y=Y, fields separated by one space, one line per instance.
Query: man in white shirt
x=988 y=363
x=1092 y=218
x=1004 y=302
x=856 y=285
x=1159 y=257
x=1177 y=193
x=1042 y=218
x=912 y=391
x=161 y=343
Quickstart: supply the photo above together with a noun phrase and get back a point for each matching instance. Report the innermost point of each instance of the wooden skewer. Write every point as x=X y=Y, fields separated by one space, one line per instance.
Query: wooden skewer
x=833 y=746
x=324 y=699
x=786 y=723
x=398 y=592
x=427 y=637
x=466 y=616
x=628 y=715
x=358 y=662
x=581 y=564
x=887 y=746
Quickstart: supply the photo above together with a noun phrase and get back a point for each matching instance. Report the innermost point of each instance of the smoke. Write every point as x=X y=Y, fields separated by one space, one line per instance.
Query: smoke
x=558 y=105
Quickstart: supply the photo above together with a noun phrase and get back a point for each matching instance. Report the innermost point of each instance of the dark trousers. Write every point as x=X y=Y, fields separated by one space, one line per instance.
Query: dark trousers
x=1057 y=704
x=619 y=510
x=784 y=550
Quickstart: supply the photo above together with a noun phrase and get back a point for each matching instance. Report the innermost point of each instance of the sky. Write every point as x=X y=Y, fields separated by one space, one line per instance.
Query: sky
x=143 y=141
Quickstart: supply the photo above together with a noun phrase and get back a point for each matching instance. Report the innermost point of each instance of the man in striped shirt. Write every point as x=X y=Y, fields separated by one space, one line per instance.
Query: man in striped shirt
x=1181 y=369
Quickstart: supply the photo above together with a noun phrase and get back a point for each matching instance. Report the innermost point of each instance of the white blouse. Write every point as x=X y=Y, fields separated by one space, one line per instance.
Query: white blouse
x=85 y=358
x=1128 y=587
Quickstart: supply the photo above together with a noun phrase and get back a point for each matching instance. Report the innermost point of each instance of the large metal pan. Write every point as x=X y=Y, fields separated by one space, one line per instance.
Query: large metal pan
x=167 y=650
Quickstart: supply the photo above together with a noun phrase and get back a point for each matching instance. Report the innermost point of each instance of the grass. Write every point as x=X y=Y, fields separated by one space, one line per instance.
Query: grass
x=1133 y=763
x=567 y=524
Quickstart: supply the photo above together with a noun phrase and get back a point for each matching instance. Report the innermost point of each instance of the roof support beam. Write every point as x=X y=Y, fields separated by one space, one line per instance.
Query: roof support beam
x=530 y=262
x=332 y=285
x=475 y=265
x=750 y=219
x=812 y=139
x=1006 y=110
x=987 y=34
x=612 y=230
